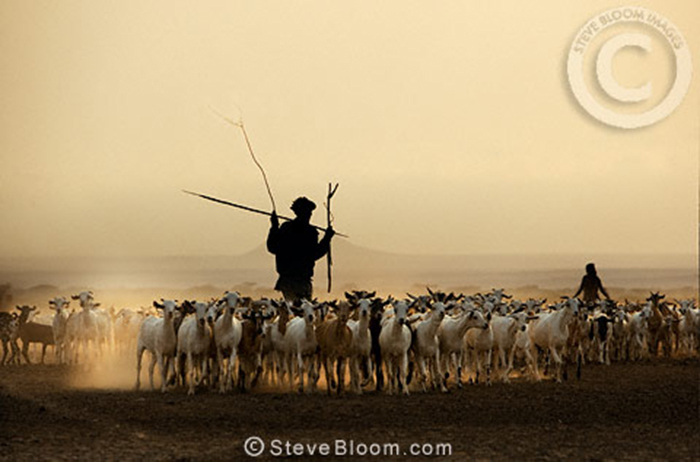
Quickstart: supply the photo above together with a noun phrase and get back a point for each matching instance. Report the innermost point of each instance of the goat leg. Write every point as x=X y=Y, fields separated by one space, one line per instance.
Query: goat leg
x=25 y=352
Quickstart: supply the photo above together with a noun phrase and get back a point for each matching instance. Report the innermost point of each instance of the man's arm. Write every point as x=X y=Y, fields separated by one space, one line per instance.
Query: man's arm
x=583 y=281
x=602 y=289
x=273 y=235
x=325 y=244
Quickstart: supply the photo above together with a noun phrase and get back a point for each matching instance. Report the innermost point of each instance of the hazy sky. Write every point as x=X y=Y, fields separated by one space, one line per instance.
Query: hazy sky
x=450 y=127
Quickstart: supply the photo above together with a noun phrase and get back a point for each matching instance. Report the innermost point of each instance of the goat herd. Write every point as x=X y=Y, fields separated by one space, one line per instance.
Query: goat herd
x=417 y=343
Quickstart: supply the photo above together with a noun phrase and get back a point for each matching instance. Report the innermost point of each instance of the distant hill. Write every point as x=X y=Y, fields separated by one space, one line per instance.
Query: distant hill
x=355 y=266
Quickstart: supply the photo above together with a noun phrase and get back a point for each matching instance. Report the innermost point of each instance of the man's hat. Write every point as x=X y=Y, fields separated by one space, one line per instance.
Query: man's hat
x=302 y=204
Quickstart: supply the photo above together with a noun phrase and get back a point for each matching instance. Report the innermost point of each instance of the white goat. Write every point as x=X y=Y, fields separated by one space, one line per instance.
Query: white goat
x=300 y=345
x=688 y=327
x=275 y=332
x=127 y=326
x=522 y=345
x=505 y=330
x=479 y=348
x=637 y=334
x=451 y=337
x=426 y=348
x=551 y=332
x=157 y=336
x=82 y=328
x=104 y=329
x=394 y=341
x=361 y=344
x=60 y=319
x=193 y=342
x=227 y=333
x=618 y=343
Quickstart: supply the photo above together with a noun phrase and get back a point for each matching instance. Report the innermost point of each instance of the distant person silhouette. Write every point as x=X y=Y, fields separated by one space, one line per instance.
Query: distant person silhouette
x=590 y=285
x=296 y=248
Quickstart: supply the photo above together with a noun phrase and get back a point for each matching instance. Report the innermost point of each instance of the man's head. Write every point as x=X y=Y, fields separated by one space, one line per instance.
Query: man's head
x=303 y=208
x=590 y=269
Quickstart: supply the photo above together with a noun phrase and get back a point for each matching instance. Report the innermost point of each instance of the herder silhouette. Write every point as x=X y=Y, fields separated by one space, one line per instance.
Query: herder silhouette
x=296 y=248
x=590 y=285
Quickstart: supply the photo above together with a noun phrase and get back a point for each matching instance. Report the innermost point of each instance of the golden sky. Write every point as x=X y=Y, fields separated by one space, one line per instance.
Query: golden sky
x=450 y=127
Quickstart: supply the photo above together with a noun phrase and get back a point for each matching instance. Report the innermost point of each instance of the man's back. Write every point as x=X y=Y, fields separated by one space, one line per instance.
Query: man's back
x=296 y=248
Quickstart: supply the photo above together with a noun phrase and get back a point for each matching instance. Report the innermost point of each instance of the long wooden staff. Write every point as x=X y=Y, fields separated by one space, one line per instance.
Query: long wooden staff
x=251 y=209
x=329 y=218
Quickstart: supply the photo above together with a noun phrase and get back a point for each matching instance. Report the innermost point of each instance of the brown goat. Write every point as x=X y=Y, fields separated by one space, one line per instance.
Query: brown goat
x=334 y=339
x=655 y=323
x=31 y=332
x=250 y=348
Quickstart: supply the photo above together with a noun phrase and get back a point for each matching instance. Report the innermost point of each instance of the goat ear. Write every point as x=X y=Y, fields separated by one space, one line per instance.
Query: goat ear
x=158 y=305
x=75 y=297
x=372 y=294
x=488 y=316
x=296 y=311
x=242 y=310
x=187 y=307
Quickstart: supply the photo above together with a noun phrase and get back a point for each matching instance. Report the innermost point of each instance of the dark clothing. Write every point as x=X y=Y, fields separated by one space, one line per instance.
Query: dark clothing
x=590 y=285
x=296 y=248
x=295 y=289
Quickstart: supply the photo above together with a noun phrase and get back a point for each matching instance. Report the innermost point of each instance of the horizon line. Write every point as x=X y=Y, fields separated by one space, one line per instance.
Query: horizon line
x=371 y=249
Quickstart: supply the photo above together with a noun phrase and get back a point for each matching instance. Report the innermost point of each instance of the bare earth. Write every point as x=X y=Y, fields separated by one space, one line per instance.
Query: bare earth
x=644 y=411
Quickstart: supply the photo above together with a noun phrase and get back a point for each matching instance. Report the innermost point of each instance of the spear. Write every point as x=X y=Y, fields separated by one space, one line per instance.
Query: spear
x=250 y=209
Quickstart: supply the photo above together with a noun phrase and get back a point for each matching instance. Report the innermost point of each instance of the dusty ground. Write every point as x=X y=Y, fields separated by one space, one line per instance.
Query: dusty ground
x=641 y=411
